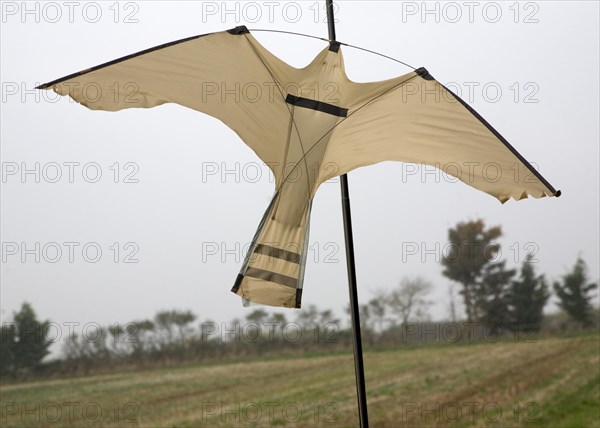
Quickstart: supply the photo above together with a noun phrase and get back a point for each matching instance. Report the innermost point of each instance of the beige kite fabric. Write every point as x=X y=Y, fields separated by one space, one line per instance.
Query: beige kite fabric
x=308 y=125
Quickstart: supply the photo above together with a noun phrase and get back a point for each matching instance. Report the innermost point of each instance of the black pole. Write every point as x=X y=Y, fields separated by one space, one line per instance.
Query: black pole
x=361 y=391
x=330 y=20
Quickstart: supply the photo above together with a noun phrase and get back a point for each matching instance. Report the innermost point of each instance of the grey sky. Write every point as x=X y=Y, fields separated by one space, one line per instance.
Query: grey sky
x=182 y=209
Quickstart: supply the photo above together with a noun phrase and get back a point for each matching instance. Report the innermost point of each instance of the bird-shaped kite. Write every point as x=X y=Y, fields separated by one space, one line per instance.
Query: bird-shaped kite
x=308 y=125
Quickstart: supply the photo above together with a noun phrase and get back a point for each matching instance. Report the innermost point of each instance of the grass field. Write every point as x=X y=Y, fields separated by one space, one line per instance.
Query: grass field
x=551 y=383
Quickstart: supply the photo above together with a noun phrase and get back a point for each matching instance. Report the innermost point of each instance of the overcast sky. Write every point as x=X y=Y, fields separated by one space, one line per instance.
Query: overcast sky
x=181 y=196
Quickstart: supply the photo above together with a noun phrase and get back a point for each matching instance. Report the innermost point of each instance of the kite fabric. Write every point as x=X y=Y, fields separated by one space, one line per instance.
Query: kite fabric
x=308 y=125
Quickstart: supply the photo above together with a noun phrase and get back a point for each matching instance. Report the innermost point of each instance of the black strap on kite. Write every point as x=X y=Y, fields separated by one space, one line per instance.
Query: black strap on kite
x=316 y=105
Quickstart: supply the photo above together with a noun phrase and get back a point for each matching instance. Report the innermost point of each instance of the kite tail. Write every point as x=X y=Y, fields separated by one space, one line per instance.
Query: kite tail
x=273 y=271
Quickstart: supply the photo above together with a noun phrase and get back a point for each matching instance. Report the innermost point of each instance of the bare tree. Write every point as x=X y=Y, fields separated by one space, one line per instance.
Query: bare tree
x=138 y=336
x=378 y=310
x=407 y=301
x=279 y=321
x=257 y=316
x=364 y=313
x=167 y=323
x=308 y=318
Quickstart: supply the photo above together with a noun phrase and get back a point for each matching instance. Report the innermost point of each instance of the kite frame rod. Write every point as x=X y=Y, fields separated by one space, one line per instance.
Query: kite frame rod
x=361 y=391
x=252 y=30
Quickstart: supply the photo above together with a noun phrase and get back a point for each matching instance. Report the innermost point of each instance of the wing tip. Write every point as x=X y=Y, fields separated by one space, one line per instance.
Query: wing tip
x=525 y=195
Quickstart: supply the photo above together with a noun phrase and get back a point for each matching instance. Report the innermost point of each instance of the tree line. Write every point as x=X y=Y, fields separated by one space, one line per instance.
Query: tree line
x=496 y=299
x=496 y=295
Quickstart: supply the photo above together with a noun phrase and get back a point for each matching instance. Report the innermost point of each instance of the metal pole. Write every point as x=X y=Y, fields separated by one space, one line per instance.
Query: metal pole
x=361 y=391
x=330 y=20
x=359 y=368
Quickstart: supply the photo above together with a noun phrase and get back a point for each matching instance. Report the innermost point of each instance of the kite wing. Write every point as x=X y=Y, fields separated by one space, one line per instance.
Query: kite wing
x=221 y=74
x=416 y=119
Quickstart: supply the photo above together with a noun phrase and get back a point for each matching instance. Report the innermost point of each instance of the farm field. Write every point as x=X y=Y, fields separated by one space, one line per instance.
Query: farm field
x=553 y=382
